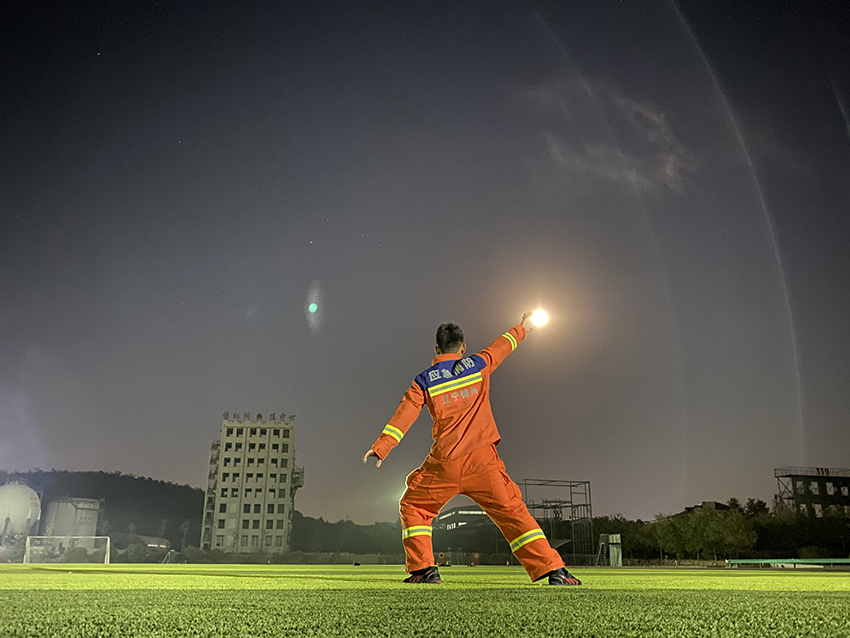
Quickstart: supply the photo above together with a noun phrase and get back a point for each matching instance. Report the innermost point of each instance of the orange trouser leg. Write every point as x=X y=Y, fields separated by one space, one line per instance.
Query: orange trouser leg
x=487 y=483
x=428 y=489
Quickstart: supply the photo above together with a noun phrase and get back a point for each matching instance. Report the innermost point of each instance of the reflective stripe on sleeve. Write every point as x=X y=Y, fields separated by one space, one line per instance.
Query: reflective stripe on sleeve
x=510 y=338
x=393 y=432
x=418 y=530
x=526 y=538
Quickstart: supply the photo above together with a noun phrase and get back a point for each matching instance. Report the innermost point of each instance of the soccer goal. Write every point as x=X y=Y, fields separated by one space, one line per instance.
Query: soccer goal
x=67 y=549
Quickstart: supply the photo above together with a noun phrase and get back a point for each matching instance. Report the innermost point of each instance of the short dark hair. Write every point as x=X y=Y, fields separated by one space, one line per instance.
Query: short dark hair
x=449 y=337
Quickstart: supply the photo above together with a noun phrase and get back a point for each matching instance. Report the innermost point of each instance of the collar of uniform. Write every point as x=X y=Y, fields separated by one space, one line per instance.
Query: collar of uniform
x=449 y=356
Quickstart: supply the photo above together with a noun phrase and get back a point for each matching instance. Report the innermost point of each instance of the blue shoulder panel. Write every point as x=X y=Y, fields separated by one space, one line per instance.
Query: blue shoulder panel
x=449 y=375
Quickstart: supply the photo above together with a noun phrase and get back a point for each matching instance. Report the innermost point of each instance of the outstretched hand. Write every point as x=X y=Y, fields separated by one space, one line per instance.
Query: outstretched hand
x=527 y=317
x=372 y=452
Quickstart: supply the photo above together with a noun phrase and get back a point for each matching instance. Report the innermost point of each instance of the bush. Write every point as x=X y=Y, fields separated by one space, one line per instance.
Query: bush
x=813 y=551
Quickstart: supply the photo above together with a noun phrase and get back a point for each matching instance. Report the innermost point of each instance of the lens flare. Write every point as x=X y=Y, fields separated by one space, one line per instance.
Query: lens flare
x=539 y=317
x=314 y=309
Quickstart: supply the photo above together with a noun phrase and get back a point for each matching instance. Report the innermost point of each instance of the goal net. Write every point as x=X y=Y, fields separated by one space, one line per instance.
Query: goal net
x=67 y=549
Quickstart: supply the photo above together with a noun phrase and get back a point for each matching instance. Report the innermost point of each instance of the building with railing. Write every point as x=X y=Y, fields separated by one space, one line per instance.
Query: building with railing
x=811 y=490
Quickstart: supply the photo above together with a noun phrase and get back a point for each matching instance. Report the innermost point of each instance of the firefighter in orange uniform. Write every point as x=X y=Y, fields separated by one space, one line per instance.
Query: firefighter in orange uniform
x=463 y=458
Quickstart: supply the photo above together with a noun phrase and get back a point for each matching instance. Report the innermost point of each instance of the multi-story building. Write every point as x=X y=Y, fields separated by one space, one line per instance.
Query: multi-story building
x=252 y=483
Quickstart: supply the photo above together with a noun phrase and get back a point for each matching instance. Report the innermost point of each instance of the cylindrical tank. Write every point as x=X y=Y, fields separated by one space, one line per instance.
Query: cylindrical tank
x=70 y=517
x=20 y=509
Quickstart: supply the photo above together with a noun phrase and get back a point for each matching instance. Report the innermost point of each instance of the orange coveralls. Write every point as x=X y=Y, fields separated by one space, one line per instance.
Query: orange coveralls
x=463 y=458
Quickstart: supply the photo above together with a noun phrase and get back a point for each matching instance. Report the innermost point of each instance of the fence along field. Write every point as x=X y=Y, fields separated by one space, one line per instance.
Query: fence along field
x=72 y=601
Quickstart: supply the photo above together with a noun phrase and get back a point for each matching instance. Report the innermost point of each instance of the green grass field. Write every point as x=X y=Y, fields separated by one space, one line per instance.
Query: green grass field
x=58 y=601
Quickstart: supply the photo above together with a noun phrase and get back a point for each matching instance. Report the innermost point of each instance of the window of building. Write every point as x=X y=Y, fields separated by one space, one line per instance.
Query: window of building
x=281 y=508
x=278 y=541
x=275 y=432
x=238 y=431
x=284 y=448
x=280 y=523
x=270 y=508
x=814 y=488
x=286 y=434
x=208 y=518
x=262 y=446
x=274 y=462
x=225 y=476
x=271 y=492
x=210 y=502
x=270 y=524
x=253 y=431
x=246 y=509
x=249 y=476
x=219 y=540
x=275 y=447
x=845 y=490
x=257 y=507
x=284 y=462
x=245 y=523
x=256 y=524
x=261 y=461
x=273 y=478
x=237 y=460
x=234 y=492
x=229 y=432
x=236 y=476
x=247 y=492
x=268 y=541
x=221 y=523
x=239 y=447
x=262 y=431
x=224 y=491
x=228 y=447
x=250 y=461
x=222 y=509
x=830 y=488
x=281 y=493
x=226 y=461
x=283 y=478
x=255 y=541
x=243 y=541
x=260 y=476
x=252 y=447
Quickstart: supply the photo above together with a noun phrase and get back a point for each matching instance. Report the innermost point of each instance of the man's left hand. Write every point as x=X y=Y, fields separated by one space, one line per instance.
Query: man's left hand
x=372 y=452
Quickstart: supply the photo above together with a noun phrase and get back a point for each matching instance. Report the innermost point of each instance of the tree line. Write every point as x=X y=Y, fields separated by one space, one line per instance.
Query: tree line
x=749 y=530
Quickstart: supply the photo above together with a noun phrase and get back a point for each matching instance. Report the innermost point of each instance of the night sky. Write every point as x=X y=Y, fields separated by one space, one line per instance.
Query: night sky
x=671 y=182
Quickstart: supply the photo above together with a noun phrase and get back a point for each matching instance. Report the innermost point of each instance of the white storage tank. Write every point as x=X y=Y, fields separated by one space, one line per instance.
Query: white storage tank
x=70 y=517
x=20 y=509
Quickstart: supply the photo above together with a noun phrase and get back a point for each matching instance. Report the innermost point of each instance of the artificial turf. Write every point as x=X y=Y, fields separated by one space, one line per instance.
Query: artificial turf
x=193 y=600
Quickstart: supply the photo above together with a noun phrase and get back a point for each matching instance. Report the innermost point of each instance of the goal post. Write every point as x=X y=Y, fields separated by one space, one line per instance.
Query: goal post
x=67 y=549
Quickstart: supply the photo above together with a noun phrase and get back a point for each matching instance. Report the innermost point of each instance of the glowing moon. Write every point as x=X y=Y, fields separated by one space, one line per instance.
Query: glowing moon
x=539 y=317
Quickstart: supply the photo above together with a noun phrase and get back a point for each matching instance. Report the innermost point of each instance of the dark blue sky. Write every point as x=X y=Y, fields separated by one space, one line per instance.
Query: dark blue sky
x=671 y=182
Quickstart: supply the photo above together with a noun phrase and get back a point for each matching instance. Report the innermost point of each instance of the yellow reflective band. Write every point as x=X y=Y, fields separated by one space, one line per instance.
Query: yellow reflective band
x=455 y=384
x=526 y=538
x=419 y=530
x=510 y=338
x=393 y=432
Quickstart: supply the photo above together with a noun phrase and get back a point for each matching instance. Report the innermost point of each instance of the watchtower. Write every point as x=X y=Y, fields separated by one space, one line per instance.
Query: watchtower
x=565 y=513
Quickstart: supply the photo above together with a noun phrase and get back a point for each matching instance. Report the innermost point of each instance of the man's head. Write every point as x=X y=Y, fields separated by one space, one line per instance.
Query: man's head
x=450 y=339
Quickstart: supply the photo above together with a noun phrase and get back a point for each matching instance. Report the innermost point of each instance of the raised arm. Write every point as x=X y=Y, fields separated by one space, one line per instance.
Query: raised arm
x=496 y=352
x=407 y=412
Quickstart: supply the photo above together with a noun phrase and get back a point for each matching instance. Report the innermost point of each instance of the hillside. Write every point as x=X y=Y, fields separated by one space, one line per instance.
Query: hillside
x=148 y=506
